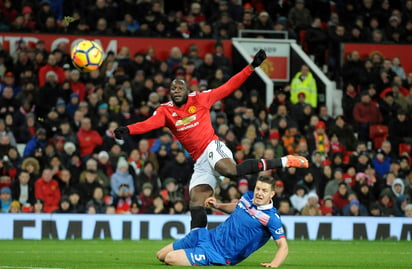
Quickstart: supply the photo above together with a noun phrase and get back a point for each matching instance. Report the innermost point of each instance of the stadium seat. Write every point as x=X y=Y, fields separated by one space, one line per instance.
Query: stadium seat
x=378 y=133
x=151 y=142
x=303 y=42
x=405 y=148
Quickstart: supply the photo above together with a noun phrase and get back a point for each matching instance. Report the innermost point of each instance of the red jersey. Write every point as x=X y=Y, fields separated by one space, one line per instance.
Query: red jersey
x=191 y=122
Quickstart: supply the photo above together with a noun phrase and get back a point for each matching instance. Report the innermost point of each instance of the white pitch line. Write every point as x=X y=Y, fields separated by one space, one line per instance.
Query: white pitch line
x=28 y=267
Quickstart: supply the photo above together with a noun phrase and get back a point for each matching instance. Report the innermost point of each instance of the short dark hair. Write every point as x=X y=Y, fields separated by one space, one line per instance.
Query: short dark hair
x=267 y=179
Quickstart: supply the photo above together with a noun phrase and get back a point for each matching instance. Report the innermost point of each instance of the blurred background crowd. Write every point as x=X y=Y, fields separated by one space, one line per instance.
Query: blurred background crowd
x=63 y=120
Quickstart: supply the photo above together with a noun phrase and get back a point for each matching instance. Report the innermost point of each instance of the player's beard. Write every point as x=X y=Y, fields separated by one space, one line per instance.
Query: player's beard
x=181 y=102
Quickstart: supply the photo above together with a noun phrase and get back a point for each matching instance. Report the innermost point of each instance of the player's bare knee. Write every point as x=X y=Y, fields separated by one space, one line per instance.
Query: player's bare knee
x=170 y=258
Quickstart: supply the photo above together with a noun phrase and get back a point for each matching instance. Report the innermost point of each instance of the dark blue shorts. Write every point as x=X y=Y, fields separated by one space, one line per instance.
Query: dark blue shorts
x=199 y=249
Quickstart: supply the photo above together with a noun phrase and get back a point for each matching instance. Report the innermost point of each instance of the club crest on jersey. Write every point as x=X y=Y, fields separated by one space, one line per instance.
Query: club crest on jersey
x=192 y=109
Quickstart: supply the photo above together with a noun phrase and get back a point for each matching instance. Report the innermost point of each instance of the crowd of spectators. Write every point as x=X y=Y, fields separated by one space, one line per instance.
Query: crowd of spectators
x=71 y=163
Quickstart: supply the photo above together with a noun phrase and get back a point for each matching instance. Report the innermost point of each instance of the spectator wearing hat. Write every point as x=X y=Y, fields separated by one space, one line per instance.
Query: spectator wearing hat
x=312 y=206
x=46 y=97
x=281 y=194
x=5 y=199
x=171 y=192
x=77 y=85
x=243 y=186
x=121 y=176
x=275 y=142
x=355 y=209
x=145 y=198
x=326 y=206
x=47 y=189
x=299 y=17
x=28 y=19
x=263 y=22
x=381 y=162
x=365 y=114
x=304 y=82
x=9 y=80
x=319 y=139
x=36 y=145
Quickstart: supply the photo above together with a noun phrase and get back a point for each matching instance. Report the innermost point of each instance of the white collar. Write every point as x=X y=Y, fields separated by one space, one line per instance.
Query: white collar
x=265 y=207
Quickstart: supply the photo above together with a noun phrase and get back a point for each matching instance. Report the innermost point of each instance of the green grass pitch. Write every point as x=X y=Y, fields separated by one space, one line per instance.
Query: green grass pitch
x=79 y=254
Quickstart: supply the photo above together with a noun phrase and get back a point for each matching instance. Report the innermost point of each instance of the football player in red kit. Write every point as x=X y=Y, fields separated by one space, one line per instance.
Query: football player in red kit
x=187 y=116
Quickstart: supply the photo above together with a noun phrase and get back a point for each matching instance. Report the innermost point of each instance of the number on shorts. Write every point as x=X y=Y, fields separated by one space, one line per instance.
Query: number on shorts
x=200 y=257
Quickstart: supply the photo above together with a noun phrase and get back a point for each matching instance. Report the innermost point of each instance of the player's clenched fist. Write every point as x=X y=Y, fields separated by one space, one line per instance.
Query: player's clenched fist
x=210 y=202
x=121 y=131
x=260 y=56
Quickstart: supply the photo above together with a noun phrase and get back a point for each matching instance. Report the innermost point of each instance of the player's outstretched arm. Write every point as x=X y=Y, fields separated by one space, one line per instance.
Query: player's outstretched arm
x=227 y=208
x=280 y=255
x=237 y=80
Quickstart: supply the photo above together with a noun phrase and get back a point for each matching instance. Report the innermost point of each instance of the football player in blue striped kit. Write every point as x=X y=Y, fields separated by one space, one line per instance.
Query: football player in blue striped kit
x=253 y=221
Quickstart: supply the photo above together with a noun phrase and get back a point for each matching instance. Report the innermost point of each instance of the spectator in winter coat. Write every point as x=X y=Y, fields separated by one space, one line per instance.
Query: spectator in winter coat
x=88 y=138
x=47 y=189
x=356 y=209
x=381 y=163
x=97 y=201
x=340 y=198
x=22 y=189
x=36 y=145
x=366 y=113
x=299 y=198
x=51 y=66
x=121 y=176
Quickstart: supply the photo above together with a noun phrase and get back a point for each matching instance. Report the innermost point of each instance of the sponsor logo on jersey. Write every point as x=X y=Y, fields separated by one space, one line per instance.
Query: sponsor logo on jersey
x=192 y=109
x=185 y=120
x=279 y=231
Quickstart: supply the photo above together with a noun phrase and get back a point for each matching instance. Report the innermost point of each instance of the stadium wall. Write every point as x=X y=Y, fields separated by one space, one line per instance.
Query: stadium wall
x=386 y=50
x=113 y=43
x=157 y=227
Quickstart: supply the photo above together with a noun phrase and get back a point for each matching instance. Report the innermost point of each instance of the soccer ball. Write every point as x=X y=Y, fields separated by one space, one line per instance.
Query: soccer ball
x=87 y=56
